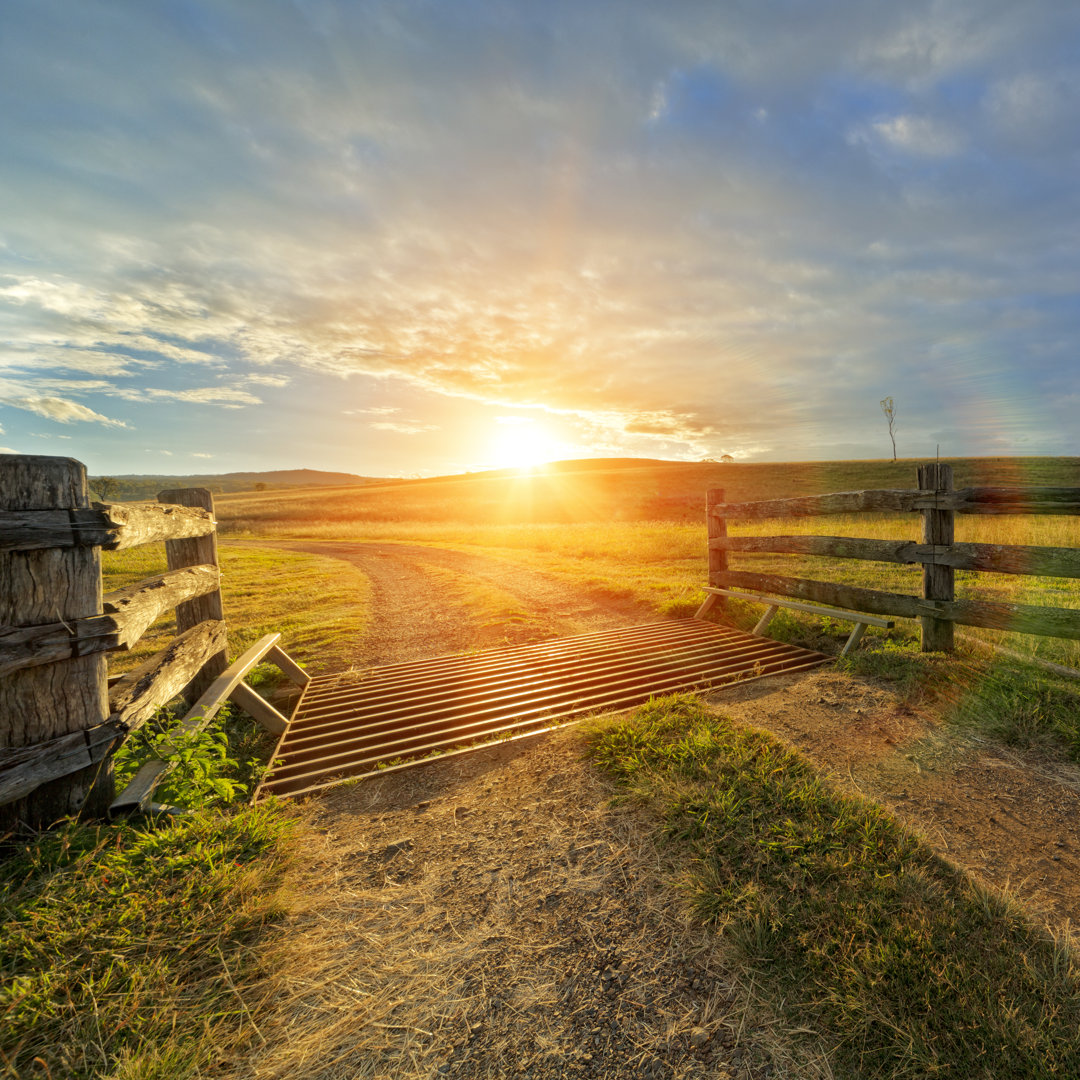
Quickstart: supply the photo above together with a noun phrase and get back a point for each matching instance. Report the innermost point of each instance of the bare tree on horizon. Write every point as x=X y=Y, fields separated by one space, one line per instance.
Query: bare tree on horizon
x=889 y=409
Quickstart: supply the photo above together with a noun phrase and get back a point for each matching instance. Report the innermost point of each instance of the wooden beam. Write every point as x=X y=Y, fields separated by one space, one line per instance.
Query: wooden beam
x=938 y=579
x=137 y=794
x=196 y=552
x=996 y=558
x=1018 y=618
x=813 y=609
x=128 y=614
x=258 y=708
x=112 y=526
x=971 y=500
x=288 y=667
x=24 y=769
x=138 y=606
x=142 y=691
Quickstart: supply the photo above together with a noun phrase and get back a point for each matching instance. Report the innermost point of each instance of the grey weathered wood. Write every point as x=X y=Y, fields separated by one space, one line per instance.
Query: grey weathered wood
x=288 y=667
x=258 y=708
x=997 y=558
x=971 y=500
x=45 y=586
x=129 y=612
x=194 y=552
x=710 y=602
x=139 y=693
x=763 y=623
x=854 y=638
x=716 y=525
x=138 y=791
x=138 y=606
x=938 y=579
x=813 y=609
x=111 y=526
x=995 y=615
x=24 y=769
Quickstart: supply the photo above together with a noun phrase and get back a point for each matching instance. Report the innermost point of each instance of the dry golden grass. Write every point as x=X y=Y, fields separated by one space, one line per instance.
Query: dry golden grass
x=496 y=915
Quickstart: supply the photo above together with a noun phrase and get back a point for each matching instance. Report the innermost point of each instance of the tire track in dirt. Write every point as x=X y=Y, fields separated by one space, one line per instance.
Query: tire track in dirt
x=419 y=613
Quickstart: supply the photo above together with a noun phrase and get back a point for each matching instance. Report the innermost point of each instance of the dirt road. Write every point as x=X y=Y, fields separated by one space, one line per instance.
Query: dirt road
x=429 y=601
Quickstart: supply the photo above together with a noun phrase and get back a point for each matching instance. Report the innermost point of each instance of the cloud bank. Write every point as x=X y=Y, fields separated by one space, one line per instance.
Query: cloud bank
x=688 y=228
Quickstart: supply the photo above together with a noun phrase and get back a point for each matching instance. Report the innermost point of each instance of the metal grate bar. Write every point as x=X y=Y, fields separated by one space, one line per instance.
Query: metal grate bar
x=413 y=710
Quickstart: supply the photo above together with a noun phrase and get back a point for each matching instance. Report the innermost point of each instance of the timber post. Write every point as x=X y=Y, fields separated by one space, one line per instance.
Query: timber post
x=938 y=580
x=717 y=527
x=197 y=551
x=47 y=586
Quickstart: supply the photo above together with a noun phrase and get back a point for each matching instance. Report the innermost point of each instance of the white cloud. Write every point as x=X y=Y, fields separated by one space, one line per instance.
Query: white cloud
x=61 y=410
x=199 y=454
x=269 y=380
x=920 y=135
x=406 y=428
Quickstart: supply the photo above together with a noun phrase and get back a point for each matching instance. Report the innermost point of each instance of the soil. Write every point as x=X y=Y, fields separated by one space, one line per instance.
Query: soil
x=493 y=914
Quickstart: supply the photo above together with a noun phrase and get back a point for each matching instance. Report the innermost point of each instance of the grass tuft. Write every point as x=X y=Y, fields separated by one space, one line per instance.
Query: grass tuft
x=849 y=924
x=122 y=946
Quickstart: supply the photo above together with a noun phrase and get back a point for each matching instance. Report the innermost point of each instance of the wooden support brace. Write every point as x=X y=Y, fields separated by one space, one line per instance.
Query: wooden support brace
x=258 y=708
x=853 y=640
x=763 y=622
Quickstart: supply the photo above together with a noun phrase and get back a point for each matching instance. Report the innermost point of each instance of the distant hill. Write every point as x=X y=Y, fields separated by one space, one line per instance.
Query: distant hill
x=146 y=486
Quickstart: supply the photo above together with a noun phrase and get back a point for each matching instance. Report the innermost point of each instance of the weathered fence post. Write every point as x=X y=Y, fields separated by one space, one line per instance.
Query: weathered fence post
x=196 y=551
x=47 y=586
x=716 y=527
x=938 y=581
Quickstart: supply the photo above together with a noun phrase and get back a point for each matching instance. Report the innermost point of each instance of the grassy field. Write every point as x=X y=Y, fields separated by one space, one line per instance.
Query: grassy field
x=853 y=930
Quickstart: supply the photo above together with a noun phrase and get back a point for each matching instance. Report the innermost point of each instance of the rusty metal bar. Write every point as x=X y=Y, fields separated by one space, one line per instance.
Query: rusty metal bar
x=418 y=708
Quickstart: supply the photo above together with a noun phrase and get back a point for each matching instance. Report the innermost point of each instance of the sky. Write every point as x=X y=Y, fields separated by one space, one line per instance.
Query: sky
x=416 y=237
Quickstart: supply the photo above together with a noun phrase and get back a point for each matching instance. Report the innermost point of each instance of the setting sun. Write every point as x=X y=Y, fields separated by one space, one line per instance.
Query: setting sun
x=521 y=443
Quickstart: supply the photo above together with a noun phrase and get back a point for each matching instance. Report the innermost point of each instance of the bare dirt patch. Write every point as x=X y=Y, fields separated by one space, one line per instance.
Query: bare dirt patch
x=493 y=916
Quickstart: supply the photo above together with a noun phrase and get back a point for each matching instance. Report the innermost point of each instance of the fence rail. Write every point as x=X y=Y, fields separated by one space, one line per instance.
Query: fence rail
x=59 y=717
x=937 y=553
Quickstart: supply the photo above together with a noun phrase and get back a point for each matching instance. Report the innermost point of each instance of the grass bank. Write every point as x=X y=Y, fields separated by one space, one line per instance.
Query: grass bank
x=850 y=927
x=129 y=953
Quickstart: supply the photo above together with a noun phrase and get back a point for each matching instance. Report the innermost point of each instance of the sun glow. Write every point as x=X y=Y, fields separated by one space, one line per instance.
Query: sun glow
x=521 y=443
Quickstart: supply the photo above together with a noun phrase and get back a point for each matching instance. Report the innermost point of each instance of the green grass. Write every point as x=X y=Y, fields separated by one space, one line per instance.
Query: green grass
x=321 y=606
x=846 y=923
x=122 y=947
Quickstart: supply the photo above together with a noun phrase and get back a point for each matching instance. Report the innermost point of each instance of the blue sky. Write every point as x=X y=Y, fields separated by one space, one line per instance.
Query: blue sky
x=421 y=237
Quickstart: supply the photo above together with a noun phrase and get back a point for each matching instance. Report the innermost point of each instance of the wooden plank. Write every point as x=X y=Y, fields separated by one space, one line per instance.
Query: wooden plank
x=258 y=708
x=38 y=704
x=997 y=558
x=938 y=579
x=970 y=500
x=288 y=667
x=112 y=526
x=137 y=794
x=840 y=502
x=1017 y=618
x=139 y=693
x=24 y=769
x=195 y=552
x=832 y=613
x=129 y=612
x=138 y=606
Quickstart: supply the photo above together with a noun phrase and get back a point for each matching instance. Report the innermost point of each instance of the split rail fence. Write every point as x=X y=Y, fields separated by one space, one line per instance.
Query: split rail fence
x=938 y=554
x=61 y=717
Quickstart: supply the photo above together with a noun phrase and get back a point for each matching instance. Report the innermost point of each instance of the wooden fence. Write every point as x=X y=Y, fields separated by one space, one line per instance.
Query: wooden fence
x=938 y=554
x=60 y=715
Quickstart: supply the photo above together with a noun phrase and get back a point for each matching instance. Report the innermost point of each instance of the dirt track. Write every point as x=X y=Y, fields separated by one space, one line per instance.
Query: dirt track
x=429 y=601
x=491 y=915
